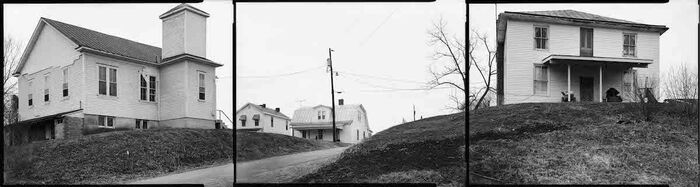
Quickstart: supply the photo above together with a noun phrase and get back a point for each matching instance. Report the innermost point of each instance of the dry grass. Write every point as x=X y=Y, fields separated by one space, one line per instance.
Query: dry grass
x=102 y=159
x=254 y=146
x=425 y=151
x=595 y=143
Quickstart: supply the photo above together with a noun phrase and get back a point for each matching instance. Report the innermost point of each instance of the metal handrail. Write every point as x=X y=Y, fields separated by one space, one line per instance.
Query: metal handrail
x=222 y=112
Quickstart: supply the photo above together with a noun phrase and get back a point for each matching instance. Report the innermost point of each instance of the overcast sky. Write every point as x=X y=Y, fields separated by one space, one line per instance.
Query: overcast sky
x=136 y=22
x=387 y=40
x=678 y=45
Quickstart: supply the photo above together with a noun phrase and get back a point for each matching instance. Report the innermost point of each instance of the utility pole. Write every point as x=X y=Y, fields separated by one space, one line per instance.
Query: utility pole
x=330 y=63
x=414 y=112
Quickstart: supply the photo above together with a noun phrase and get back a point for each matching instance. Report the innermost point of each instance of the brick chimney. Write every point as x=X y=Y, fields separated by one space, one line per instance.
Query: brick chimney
x=184 y=31
x=263 y=105
x=277 y=109
x=340 y=101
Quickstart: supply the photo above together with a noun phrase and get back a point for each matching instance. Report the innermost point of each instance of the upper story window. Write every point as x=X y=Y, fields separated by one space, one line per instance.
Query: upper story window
x=541 y=37
x=323 y=114
x=541 y=79
x=629 y=46
x=103 y=73
x=148 y=88
x=586 y=42
x=65 y=82
x=272 y=121
x=201 y=86
x=256 y=119
x=243 y=118
x=46 y=88
x=319 y=114
x=29 y=96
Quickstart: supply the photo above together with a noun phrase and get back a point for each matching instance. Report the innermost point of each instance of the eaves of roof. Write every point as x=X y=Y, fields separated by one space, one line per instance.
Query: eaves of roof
x=523 y=16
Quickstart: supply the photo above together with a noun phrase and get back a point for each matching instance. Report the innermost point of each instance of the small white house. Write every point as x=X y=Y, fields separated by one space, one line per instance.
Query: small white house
x=259 y=118
x=315 y=122
x=541 y=54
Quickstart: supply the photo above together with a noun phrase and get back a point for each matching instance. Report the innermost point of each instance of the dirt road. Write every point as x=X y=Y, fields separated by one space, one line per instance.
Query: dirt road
x=284 y=168
x=210 y=177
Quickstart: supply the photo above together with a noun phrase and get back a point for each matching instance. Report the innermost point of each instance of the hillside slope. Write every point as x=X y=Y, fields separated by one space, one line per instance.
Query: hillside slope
x=430 y=150
x=102 y=158
x=253 y=145
x=579 y=143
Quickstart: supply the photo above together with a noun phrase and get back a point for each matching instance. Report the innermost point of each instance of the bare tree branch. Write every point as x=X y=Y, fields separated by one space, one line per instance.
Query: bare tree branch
x=454 y=50
x=11 y=56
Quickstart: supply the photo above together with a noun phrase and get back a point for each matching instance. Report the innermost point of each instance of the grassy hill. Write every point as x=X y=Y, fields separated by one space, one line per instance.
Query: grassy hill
x=594 y=143
x=102 y=158
x=253 y=146
x=430 y=150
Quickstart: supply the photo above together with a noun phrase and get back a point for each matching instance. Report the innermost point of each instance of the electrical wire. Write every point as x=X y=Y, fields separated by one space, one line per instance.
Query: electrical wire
x=392 y=79
x=280 y=75
x=390 y=89
x=380 y=25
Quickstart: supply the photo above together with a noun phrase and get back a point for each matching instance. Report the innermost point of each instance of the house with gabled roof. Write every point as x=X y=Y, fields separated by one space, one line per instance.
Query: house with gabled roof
x=316 y=123
x=259 y=118
x=72 y=79
x=569 y=55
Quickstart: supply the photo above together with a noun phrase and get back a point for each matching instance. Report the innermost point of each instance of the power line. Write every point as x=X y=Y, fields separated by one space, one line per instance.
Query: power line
x=365 y=75
x=408 y=89
x=280 y=75
x=380 y=25
x=391 y=89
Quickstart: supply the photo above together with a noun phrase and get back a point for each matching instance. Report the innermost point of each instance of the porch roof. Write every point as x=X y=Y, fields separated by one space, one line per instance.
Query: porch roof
x=570 y=59
x=319 y=125
x=40 y=119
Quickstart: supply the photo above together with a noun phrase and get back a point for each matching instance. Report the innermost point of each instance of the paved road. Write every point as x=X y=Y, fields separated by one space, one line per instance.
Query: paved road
x=210 y=177
x=284 y=168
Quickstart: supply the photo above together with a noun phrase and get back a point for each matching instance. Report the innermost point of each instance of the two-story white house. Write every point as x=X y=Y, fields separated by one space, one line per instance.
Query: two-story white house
x=541 y=54
x=71 y=79
x=317 y=123
x=259 y=118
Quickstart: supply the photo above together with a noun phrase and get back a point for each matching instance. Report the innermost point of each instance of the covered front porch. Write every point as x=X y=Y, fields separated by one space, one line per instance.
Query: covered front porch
x=318 y=130
x=588 y=78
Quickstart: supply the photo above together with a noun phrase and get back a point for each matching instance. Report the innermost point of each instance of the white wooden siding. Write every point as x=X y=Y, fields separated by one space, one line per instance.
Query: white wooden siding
x=520 y=57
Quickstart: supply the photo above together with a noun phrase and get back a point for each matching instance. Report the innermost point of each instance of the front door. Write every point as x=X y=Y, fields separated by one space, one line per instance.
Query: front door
x=586 y=88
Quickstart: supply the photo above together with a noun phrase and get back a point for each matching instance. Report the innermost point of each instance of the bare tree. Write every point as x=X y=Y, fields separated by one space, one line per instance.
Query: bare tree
x=11 y=56
x=681 y=83
x=454 y=50
x=486 y=69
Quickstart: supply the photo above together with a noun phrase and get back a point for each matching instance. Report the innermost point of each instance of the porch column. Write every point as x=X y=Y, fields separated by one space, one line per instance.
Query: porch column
x=600 y=84
x=568 y=82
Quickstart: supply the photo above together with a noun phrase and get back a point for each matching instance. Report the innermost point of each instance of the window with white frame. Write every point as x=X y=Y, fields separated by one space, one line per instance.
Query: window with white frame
x=319 y=114
x=107 y=80
x=65 y=82
x=541 y=37
x=105 y=121
x=541 y=79
x=29 y=96
x=629 y=45
x=202 y=89
x=323 y=114
x=152 y=88
x=46 y=88
x=243 y=119
x=141 y=124
x=148 y=88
